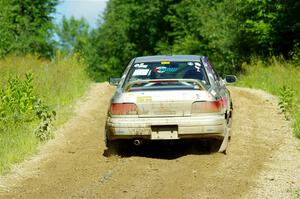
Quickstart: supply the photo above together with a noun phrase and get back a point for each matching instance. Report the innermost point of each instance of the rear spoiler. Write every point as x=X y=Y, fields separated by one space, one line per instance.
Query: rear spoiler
x=130 y=84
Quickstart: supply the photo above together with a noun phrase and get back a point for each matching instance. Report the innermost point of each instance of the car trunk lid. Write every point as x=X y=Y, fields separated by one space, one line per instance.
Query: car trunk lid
x=168 y=103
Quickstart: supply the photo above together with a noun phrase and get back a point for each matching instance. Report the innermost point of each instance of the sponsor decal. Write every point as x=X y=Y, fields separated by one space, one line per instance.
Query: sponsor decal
x=140 y=65
x=141 y=72
x=163 y=69
x=197 y=66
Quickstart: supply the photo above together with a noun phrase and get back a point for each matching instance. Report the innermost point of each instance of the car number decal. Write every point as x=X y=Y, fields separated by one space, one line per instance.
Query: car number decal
x=143 y=99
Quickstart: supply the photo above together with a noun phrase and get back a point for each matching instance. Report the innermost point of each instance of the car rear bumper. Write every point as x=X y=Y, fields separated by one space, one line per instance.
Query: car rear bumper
x=185 y=127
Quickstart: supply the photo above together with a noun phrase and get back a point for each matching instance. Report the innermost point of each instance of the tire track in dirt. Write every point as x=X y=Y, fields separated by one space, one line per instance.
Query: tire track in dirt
x=262 y=161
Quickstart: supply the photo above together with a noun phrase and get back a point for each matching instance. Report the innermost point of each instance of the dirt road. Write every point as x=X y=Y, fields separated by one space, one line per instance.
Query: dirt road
x=262 y=160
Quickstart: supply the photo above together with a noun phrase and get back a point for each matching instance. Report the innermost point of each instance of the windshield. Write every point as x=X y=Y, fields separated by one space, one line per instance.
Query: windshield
x=167 y=70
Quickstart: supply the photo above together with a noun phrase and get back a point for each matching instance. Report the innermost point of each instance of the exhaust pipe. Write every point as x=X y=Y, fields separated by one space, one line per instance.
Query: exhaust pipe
x=137 y=142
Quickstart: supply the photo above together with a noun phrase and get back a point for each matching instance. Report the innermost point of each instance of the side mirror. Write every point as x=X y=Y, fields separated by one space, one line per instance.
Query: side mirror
x=114 y=81
x=229 y=79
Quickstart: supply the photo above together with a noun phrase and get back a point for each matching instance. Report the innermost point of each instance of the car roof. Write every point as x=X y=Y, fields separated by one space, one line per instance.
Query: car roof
x=157 y=58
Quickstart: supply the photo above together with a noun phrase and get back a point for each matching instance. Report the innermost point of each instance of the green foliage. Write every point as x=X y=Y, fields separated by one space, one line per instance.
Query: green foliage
x=17 y=98
x=25 y=26
x=47 y=117
x=58 y=82
x=295 y=53
x=256 y=19
x=296 y=124
x=286 y=101
x=73 y=35
x=297 y=194
x=204 y=28
x=229 y=32
x=129 y=29
x=280 y=78
x=29 y=117
x=17 y=141
x=19 y=104
x=286 y=26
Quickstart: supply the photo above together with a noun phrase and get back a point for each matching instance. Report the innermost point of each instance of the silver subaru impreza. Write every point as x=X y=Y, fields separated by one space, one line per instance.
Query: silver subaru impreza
x=169 y=97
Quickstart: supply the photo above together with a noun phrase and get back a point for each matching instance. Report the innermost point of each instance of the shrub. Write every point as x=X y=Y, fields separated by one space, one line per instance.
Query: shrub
x=20 y=104
x=28 y=101
x=286 y=101
x=17 y=98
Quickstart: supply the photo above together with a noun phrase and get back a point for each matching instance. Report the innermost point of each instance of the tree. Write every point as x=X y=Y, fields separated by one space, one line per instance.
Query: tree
x=25 y=26
x=135 y=28
x=268 y=27
x=73 y=35
x=256 y=19
x=208 y=28
x=287 y=27
x=130 y=28
x=227 y=31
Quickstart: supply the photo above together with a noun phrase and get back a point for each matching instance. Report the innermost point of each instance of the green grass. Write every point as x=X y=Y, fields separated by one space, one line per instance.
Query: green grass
x=58 y=83
x=297 y=194
x=272 y=76
x=16 y=141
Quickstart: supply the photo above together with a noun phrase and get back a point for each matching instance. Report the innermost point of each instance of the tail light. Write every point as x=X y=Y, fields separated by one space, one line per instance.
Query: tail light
x=123 y=109
x=208 y=107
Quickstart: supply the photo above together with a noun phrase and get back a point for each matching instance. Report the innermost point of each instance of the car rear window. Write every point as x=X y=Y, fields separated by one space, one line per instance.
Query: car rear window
x=167 y=70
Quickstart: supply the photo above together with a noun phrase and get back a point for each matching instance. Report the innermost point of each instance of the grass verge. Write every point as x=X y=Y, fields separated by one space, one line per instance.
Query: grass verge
x=279 y=77
x=57 y=83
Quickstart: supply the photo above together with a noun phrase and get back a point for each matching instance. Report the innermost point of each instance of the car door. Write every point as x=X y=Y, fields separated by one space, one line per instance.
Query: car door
x=218 y=86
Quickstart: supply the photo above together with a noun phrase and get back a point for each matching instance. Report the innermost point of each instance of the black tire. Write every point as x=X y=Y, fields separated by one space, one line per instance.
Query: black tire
x=116 y=147
x=112 y=148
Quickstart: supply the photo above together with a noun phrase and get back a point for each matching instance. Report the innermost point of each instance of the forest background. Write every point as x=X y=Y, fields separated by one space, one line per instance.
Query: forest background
x=230 y=32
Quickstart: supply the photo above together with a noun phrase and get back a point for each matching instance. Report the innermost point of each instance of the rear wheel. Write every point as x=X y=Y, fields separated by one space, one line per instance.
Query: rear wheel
x=112 y=147
x=225 y=141
x=230 y=120
x=229 y=123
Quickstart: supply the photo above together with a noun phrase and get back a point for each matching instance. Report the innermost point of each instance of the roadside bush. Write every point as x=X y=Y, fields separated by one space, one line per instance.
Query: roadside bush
x=295 y=53
x=286 y=101
x=19 y=104
x=17 y=98
x=46 y=116
x=33 y=104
